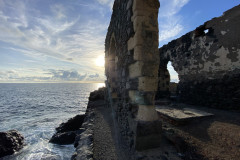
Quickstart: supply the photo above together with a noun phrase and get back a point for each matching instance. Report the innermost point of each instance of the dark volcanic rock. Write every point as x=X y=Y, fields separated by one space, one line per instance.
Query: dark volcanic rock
x=97 y=95
x=63 y=138
x=66 y=132
x=10 y=142
x=72 y=124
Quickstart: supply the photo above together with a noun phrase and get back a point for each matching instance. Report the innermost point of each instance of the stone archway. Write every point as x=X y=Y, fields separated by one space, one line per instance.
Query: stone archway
x=111 y=69
x=132 y=63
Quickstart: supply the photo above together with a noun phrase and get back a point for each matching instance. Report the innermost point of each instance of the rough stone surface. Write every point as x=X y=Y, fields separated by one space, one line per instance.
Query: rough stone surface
x=208 y=62
x=100 y=139
x=97 y=95
x=84 y=144
x=131 y=67
x=181 y=115
x=67 y=132
x=72 y=124
x=63 y=138
x=145 y=129
x=10 y=142
x=118 y=60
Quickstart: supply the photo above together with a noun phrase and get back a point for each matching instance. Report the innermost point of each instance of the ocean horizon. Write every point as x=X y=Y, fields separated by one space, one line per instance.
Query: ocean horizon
x=36 y=109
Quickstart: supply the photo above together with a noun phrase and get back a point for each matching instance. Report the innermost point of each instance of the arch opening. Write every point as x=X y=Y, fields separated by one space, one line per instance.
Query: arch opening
x=111 y=69
x=173 y=74
x=174 y=79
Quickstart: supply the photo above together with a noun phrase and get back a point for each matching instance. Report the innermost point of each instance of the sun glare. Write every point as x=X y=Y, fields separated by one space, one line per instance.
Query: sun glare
x=100 y=61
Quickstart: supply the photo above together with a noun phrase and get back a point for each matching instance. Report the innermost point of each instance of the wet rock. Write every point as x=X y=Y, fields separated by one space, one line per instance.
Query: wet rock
x=63 y=138
x=67 y=132
x=84 y=149
x=84 y=140
x=10 y=142
x=78 y=137
x=72 y=124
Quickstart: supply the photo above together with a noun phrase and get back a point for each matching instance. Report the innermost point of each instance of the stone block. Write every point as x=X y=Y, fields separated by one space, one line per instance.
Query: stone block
x=148 y=21
x=147 y=113
x=140 y=68
x=148 y=135
x=138 y=38
x=147 y=5
x=131 y=43
x=135 y=70
x=150 y=69
x=141 y=98
x=142 y=54
x=148 y=84
x=132 y=84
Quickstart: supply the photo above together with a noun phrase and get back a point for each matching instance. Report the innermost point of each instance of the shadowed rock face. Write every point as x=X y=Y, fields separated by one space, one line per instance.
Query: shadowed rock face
x=10 y=142
x=67 y=132
x=97 y=95
x=84 y=139
x=72 y=124
x=63 y=138
x=207 y=61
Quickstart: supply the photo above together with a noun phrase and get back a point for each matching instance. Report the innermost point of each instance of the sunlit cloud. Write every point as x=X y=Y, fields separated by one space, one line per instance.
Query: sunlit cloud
x=61 y=34
x=50 y=75
x=69 y=36
x=170 y=22
x=169 y=31
x=106 y=2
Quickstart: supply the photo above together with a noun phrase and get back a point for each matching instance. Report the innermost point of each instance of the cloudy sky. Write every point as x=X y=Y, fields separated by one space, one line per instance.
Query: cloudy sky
x=63 y=40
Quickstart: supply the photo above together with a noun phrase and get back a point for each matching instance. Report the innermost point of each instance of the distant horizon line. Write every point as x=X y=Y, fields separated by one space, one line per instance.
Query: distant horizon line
x=53 y=82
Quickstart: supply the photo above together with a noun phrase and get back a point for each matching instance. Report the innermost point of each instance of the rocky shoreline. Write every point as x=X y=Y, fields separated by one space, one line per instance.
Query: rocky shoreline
x=67 y=132
x=10 y=142
x=79 y=129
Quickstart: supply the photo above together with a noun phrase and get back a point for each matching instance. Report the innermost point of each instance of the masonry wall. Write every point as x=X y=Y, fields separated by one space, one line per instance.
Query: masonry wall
x=131 y=57
x=119 y=31
x=208 y=62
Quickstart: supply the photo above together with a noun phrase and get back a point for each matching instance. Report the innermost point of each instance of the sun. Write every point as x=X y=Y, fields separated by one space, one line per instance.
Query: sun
x=100 y=61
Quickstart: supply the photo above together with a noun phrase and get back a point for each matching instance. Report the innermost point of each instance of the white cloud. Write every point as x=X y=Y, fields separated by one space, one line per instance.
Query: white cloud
x=170 y=26
x=49 y=75
x=72 y=39
x=170 y=31
x=106 y=2
x=170 y=21
x=171 y=7
x=59 y=11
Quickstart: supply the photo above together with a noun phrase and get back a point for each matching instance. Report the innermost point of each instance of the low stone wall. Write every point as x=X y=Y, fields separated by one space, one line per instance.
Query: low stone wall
x=208 y=62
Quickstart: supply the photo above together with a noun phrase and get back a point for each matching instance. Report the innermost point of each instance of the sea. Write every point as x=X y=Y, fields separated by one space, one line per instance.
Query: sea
x=36 y=109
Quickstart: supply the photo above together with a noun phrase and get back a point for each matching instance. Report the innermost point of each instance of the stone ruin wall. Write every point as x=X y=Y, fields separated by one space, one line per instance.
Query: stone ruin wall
x=208 y=63
x=131 y=68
